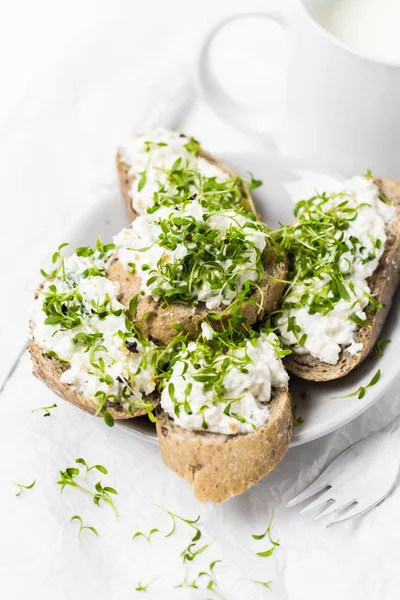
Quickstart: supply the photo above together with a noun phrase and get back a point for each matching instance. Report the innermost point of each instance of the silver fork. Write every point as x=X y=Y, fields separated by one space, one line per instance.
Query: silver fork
x=358 y=479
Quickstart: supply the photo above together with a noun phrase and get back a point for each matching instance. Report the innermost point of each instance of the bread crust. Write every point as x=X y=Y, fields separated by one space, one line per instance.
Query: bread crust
x=156 y=321
x=383 y=284
x=49 y=370
x=126 y=180
x=221 y=466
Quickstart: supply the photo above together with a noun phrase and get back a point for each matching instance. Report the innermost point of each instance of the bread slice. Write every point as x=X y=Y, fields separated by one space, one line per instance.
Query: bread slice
x=49 y=370
x=383 y=284
x=156 y=320
x=221 y=466
x=126 y=179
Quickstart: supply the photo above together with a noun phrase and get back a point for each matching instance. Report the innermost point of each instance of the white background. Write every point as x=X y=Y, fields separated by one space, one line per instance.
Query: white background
x=60 y=118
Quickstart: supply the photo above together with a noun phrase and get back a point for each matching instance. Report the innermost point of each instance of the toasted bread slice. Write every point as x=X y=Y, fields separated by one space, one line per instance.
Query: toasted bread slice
x=49 y=370
x=383 y=284
x=221 y=466
x=126 y=178
x=156 y=320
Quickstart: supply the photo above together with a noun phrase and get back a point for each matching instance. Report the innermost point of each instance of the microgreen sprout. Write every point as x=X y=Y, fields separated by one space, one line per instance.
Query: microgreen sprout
x=22 y=487
x=209 y=576
x=68 y=479
x=362 y=390
x=266 y=584
x=298 y=420
x=142 y=587
x=46 y=409
x=191 y=551
x=254 y=183
x=193 y=146
x=175 y=517
x=212 y=584
x=57 y=256
x=267 y=533
x=103 y=493
x=146 y=537
x=142 y=180
x=82 y=527
x=188 y=584
x=380 y=346
x=81 y=461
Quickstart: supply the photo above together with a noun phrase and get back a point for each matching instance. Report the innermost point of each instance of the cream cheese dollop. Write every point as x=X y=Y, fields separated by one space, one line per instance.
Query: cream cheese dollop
x=248 y=388
x=139 y=245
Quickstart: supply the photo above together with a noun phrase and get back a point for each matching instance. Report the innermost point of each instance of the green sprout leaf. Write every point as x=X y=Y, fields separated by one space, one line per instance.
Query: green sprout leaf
x=357 y=319
x=46 y=409
x=146 y=537
x=22 y=487
x=142 y=181
x=297 y=419
x=212 y=584
x=254 y=183
x=361 y=391
x=142 y=587
x=193 y=146
x=380 y=346
x=266 y=584
x=192 y=550
x=82 y=527
x=81 y=461
x=101 y=494
x=267 y=533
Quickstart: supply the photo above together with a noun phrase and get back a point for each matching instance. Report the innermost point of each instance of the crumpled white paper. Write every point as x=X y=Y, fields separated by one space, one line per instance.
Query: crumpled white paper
x=58 y=147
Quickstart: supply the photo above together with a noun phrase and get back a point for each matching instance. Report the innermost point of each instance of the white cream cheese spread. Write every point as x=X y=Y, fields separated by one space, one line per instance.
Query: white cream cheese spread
x=78 y=319
x=322 y=311
x=224 y=391
x=153 y=154
x=205 y=256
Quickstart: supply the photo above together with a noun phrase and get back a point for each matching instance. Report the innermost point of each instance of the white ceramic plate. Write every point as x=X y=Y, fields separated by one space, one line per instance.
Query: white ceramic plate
x=284 y=184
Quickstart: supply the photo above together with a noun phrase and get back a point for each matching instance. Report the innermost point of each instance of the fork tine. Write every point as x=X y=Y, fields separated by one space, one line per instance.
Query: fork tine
x=320 y=501
x=334 y=507
x=314 y=488
x=357 y=509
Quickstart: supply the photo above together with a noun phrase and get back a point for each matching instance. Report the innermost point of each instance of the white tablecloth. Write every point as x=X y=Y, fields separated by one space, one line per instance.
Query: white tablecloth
x=56 y=150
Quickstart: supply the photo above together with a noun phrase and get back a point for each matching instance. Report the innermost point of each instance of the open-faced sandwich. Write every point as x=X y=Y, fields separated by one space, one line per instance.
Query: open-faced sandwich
x=83 y=345
x=344 y=252
x=225 y=419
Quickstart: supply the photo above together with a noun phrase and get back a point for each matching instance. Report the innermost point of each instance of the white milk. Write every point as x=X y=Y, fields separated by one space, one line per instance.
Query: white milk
x=371 y=27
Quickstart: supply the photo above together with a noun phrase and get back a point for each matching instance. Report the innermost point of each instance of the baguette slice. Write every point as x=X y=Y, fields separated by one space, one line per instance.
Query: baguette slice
x=126 y=179
x=383 y=284
x=221 y=466
x=49 y=370
x=156 y=321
